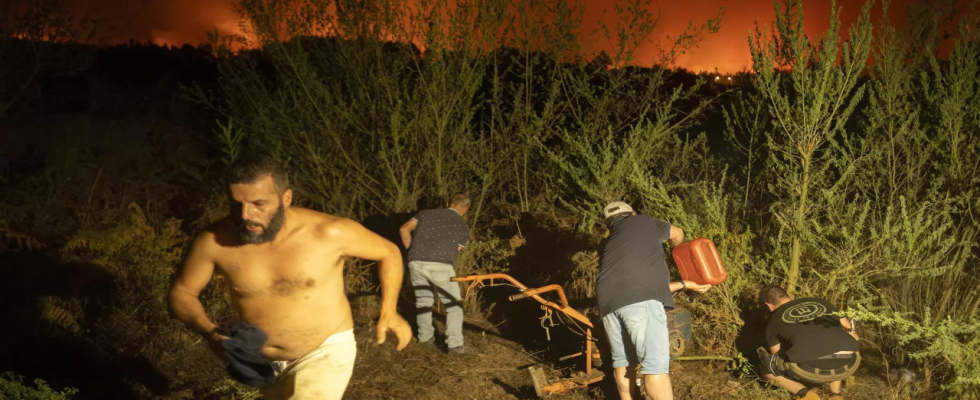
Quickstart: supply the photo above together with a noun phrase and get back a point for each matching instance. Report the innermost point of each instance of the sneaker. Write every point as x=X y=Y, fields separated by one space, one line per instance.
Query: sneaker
x=762 y=353
x=459 y=350
x=430 y=342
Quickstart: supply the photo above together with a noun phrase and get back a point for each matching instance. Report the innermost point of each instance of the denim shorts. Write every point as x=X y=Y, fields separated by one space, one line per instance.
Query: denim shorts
x=645 y=331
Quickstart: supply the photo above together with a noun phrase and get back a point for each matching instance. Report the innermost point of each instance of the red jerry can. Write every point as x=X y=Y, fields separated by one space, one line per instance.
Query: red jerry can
x=698 y=261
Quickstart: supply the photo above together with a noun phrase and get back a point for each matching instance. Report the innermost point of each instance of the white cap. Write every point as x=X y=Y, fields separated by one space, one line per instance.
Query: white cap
x=616 y=207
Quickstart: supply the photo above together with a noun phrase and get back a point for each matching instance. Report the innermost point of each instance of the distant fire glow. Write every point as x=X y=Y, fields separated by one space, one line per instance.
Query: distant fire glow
x=175 y=22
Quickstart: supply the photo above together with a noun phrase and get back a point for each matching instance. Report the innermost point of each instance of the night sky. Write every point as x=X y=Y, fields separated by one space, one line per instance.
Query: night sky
x=175 y=22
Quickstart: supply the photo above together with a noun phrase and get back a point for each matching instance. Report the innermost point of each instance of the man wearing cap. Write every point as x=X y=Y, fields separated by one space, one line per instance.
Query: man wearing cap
x=634 y=294
x=807 y=343
x=439 y=236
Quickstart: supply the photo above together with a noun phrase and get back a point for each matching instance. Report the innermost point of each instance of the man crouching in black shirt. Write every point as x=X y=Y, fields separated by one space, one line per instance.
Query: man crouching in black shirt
x=807 y=344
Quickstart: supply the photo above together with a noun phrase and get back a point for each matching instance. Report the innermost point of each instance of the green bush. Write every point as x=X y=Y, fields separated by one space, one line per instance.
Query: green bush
x=851 y=181
x=947 y=349
x=12 y=388
x=826 y=193
x=142 y=260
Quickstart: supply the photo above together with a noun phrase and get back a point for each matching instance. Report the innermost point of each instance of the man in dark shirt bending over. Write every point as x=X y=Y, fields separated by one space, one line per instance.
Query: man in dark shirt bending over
x=807 y=343
x=439 y=236
x=634 y=294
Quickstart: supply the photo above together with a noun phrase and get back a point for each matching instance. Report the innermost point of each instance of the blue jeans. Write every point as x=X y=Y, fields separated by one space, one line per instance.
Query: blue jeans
x=429 y=278
x=646 y=329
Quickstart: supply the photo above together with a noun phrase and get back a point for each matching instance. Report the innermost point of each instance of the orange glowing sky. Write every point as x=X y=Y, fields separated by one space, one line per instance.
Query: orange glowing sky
x=176 y=22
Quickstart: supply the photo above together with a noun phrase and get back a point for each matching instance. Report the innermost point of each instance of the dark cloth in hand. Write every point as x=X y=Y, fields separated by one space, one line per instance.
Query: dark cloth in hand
x=243 y=352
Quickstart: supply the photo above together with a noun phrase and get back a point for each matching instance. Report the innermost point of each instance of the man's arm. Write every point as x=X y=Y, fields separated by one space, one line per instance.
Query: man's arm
x=676 y=236
x=677 y=286
x=772 y=337
x=193 y=278
x=464 y=237
x=406 y=232
x=357 y=241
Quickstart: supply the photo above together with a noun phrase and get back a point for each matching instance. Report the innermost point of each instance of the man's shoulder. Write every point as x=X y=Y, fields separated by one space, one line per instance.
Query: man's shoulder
x=422 y=214
x=804 y=299
x=641 y=218
x=440 y=212
x=654 y=221
x=304 y=213
x=218 y=232
x=638 y=222
x=811 y=301
x=792 y=304
x=323 y=225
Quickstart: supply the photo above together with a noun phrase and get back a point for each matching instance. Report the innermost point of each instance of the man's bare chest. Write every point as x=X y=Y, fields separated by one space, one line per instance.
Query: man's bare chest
x=277 y=272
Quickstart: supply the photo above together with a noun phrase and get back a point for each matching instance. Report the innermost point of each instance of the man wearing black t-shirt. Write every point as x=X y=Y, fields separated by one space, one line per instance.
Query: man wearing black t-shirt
x=634 y=294
x=807 y=343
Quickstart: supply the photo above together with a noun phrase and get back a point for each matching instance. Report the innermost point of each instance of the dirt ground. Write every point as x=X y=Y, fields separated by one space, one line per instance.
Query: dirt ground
x=496 y=369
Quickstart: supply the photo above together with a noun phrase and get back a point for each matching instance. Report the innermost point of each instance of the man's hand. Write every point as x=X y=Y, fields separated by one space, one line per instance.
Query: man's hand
x=357 y=241
x=214 y=342
x=397 y=325
x=696 y=287
x=849 y=327
x=676 y=236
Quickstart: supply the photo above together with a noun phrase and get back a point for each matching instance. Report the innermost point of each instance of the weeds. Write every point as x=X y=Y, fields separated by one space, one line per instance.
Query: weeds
x=12 y=387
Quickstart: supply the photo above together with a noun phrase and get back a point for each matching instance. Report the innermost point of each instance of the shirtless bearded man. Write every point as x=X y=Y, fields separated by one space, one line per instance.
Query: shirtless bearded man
x=285 y=268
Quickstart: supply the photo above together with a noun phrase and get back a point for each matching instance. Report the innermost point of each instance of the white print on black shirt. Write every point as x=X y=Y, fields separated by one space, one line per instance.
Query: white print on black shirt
x=804 y=312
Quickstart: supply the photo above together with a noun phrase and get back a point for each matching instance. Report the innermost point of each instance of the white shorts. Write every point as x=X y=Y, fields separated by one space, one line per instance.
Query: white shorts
x=321 y=374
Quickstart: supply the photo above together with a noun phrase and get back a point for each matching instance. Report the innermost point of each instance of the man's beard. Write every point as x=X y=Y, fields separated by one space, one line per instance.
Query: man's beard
x=268 y=231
